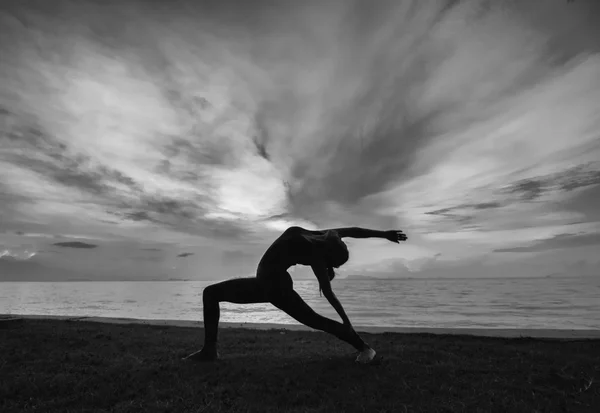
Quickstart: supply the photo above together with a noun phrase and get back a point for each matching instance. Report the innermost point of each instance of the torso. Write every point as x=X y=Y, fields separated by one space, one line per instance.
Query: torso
x=291 y=248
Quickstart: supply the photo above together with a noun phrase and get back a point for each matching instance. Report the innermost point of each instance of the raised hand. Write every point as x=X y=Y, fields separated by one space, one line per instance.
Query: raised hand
x=395 y=236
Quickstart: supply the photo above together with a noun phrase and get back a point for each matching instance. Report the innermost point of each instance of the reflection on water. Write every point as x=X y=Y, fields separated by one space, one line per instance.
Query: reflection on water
x=486 y=303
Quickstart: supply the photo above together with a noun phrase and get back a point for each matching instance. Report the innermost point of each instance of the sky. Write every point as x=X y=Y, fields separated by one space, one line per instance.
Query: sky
x=176 y=140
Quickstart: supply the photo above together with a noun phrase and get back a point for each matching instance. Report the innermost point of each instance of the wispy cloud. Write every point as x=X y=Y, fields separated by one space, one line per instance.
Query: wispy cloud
x=557 y=242
x=24 y=255
x=75 y=244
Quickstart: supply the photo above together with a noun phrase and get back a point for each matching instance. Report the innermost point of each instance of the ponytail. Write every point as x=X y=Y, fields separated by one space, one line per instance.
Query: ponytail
x=329 y=248
x=331 y=274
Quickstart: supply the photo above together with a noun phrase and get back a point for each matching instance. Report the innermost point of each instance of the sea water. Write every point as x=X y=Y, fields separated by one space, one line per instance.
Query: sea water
x=529 y=303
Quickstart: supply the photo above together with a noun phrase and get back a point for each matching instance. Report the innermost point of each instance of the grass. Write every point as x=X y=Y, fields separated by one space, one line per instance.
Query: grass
x=74 y=366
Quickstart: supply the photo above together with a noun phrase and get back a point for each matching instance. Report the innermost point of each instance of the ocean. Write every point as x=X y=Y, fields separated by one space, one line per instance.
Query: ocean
x=528 y=303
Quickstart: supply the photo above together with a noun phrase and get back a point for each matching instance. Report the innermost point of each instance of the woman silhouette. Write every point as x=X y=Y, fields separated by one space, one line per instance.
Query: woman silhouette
x=323 y=251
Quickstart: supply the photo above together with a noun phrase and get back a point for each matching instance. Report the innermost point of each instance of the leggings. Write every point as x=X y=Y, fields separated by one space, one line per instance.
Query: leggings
x=276 y=290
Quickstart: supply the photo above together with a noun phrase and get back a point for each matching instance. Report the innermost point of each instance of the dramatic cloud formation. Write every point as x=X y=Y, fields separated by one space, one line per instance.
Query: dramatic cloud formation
x=145 y=128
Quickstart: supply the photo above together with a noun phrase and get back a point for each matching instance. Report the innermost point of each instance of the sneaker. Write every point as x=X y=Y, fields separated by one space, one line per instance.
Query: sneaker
x=366 y=356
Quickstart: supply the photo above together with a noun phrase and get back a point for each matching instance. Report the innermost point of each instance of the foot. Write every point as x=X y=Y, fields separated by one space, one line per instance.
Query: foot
x=206 y=354
x=366 y=356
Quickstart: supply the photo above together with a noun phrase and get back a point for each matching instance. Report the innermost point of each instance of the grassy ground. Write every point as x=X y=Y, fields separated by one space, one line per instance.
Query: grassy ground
x=62 y=366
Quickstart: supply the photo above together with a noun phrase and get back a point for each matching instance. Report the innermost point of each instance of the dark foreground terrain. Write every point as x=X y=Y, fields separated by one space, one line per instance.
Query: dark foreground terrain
x=74 y=366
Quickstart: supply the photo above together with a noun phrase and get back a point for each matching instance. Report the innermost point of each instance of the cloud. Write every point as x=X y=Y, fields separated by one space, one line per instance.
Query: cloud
x=529 y=189
x=75 y=244
x=452 y=120
x=580 y=176
x=22 y=255
x=519 y=203
x=557 y=242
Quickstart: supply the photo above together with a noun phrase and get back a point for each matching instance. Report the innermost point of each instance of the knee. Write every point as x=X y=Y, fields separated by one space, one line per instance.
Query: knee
x=210 y=293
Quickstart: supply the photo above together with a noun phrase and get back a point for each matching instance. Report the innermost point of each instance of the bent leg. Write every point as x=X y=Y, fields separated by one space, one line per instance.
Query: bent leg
x=238 y=291
x=296 y=307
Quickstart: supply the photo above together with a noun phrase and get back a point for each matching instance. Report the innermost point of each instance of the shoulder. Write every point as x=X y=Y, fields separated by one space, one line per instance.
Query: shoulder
x=303 y=231
x=294 y=229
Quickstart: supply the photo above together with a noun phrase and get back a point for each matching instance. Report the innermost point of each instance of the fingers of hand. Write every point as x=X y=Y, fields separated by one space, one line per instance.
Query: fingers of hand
x=397 y=236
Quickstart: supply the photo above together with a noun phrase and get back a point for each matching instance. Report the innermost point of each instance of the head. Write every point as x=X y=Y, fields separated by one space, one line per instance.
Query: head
x=335 y=251
x=330 y=249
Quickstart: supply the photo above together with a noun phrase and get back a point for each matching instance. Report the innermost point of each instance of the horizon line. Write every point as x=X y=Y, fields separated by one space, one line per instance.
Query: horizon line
x=363 y=278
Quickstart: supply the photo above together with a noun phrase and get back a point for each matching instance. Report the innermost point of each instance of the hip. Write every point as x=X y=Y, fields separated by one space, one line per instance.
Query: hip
x=274 y=280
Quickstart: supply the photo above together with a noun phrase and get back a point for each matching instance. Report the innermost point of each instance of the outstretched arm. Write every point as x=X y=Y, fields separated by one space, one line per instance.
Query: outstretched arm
x=356 y=232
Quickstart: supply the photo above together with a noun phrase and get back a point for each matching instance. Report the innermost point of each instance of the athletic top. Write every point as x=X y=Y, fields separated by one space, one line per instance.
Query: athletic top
x=289 y=249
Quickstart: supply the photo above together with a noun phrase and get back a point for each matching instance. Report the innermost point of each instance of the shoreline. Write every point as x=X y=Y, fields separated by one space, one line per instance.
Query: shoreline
x=480 y=332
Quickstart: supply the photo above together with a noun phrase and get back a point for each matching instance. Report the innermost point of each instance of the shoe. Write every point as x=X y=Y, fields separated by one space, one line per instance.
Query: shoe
x=366 y=356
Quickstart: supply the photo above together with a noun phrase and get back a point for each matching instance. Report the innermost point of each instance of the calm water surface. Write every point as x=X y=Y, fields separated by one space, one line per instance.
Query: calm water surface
x=481 y=303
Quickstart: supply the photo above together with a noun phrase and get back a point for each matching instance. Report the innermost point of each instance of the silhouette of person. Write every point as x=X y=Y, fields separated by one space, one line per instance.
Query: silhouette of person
x=321 y=250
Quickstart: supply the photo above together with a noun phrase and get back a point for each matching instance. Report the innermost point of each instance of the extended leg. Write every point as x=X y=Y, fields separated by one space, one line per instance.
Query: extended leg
x=296 y=307
x=238 y=291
